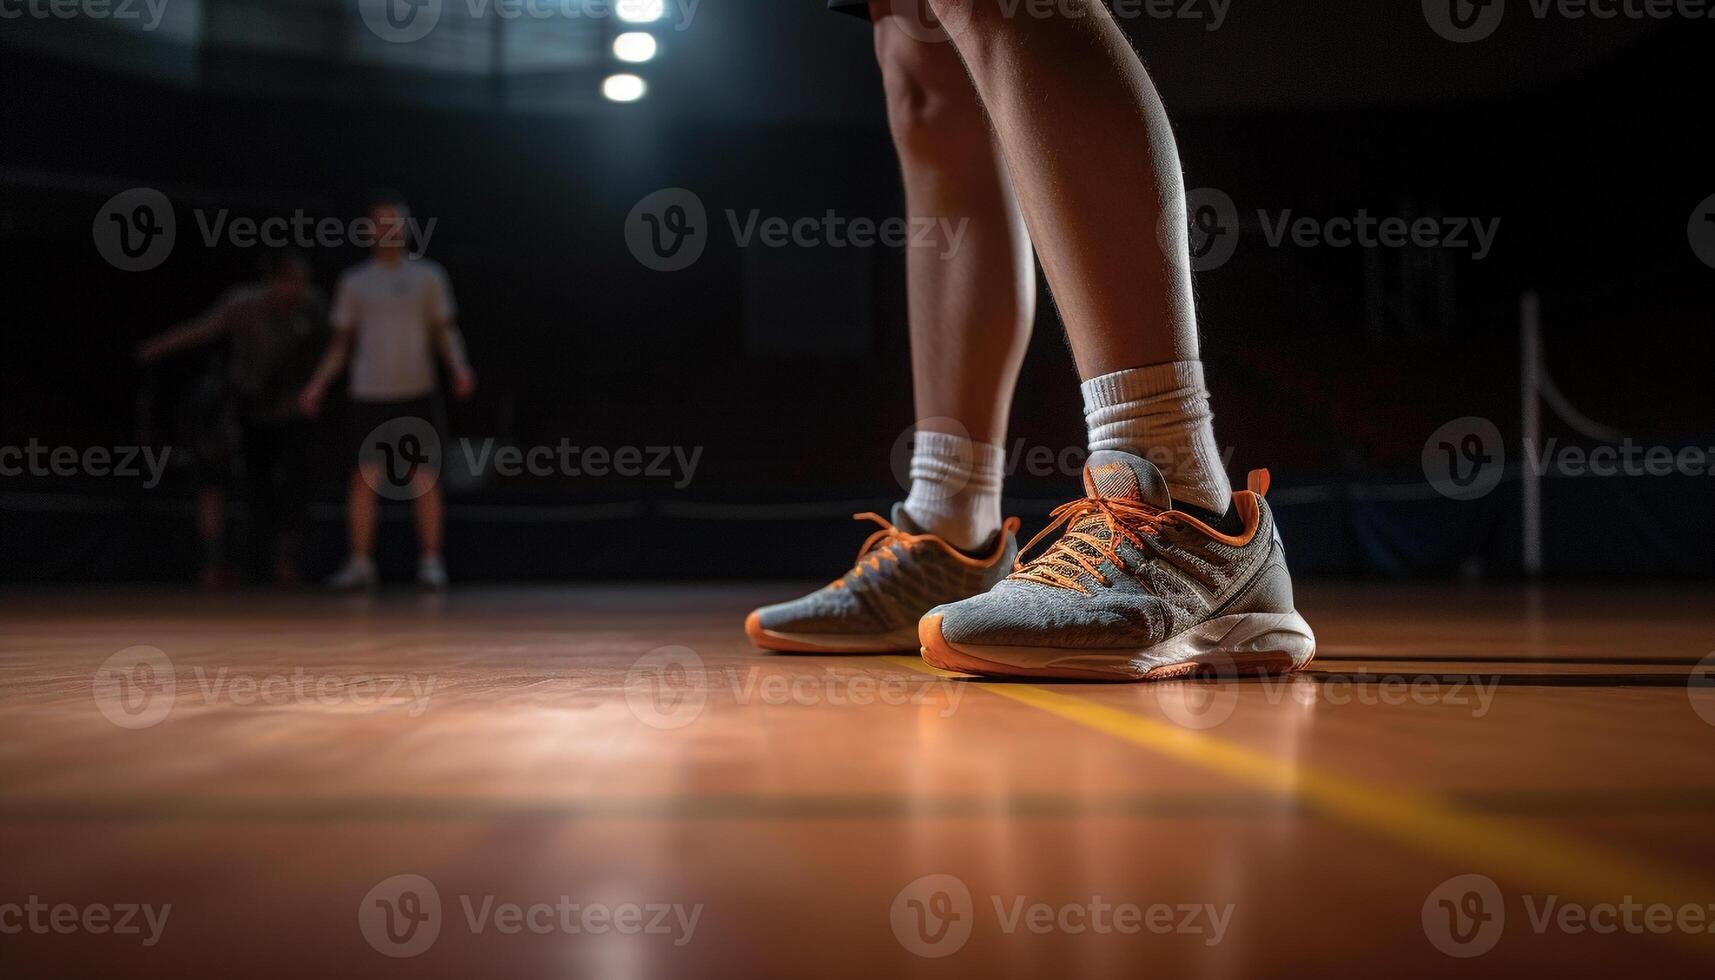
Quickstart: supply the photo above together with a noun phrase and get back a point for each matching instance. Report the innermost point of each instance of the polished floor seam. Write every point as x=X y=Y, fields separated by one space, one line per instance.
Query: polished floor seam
x=18 y=811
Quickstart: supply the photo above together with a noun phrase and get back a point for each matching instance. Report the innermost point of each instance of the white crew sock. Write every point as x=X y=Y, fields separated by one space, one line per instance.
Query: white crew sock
x=1161 y=413
x=955 y=488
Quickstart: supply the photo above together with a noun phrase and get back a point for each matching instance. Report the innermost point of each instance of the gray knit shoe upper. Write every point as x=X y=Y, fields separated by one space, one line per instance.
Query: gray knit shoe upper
x=1125 y=573
x=900 y=573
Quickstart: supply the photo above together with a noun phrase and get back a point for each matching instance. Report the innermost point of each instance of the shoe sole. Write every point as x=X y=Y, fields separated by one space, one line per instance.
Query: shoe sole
x=902 y=640
x=1238 y=644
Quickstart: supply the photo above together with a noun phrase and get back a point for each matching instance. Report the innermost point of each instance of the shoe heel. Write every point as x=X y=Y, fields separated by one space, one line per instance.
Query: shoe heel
x=1270 y=643
x=1238 y=645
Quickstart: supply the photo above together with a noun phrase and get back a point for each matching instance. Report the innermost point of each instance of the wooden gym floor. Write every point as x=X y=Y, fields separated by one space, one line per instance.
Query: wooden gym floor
x=609 y=782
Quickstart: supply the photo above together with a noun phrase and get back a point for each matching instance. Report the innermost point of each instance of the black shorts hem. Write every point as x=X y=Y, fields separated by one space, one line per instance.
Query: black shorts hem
x=858 y=8
x=364 y=418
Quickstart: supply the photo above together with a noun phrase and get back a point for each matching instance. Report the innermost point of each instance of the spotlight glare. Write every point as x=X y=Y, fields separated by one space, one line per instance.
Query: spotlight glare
x=624 y=88
x=635 y=47
x=641 y=11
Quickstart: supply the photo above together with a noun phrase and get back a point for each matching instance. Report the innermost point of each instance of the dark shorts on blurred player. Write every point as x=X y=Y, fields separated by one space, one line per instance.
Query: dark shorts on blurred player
x=858 y=7
x=368 y=422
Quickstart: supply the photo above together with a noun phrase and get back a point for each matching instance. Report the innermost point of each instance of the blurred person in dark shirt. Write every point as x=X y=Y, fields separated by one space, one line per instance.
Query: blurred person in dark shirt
x=271 y=331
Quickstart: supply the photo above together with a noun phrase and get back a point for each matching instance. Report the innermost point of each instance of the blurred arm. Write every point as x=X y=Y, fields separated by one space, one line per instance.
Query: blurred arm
x=333 y=360
x=449 y=343
x=196 y=332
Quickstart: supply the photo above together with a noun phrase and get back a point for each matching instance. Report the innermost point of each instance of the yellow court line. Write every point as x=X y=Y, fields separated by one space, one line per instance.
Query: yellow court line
x=1527 y=856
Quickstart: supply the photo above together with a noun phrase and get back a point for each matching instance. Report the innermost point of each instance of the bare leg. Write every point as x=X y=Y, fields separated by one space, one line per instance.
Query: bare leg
x=1095 y=166
x=211 y=513
x=971 y=311
x=360 y=516
x=211 y=529
x=428 y=509
x=1097 y=174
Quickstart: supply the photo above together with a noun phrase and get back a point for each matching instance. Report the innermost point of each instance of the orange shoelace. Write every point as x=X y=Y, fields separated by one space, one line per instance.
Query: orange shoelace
x=878 y=547
x=1060 y=565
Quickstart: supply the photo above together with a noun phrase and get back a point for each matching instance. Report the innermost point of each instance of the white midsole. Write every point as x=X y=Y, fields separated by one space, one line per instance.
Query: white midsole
x=1223 y=645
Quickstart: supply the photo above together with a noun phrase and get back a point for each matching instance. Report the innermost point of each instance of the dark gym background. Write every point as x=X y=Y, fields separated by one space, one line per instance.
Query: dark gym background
x=789 y=369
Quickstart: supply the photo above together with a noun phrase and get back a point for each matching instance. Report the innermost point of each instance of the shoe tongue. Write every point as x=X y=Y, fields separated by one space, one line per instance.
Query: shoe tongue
x=1117 y=475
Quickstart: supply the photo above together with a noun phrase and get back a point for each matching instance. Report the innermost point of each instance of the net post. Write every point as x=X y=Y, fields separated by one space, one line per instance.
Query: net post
x=1530 y=361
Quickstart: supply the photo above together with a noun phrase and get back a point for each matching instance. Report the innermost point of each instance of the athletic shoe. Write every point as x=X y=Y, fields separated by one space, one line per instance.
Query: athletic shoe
x=431 y=574
x=358 y=575
x=900 y=573
x=1134 y=590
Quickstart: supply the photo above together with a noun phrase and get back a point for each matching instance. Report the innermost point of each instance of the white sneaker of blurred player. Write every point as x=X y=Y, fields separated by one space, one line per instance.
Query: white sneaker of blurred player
x=358 y=575
x=432 y=574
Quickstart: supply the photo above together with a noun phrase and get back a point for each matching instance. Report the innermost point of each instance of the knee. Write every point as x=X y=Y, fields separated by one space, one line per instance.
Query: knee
x=959 y=16
x=989 y=33
x=932 y=108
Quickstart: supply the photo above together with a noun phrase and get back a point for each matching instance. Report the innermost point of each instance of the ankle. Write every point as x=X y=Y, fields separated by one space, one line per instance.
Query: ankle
x=969 y=525
x=1161 y=413
x=955 y=488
